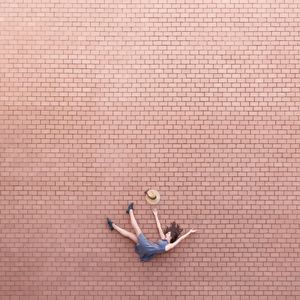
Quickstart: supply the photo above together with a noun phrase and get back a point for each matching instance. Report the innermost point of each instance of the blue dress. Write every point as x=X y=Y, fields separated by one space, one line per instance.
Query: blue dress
x=147 y=250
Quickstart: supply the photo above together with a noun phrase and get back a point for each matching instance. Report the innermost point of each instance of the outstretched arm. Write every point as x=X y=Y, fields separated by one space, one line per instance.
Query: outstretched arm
x=172 y=245
x=161 y=233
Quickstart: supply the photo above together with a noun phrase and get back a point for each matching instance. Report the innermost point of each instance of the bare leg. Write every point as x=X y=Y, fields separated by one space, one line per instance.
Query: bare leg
x=126 y=233
x=134 y=223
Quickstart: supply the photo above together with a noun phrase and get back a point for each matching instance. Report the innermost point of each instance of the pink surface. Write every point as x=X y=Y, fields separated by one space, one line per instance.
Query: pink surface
x=99 y=101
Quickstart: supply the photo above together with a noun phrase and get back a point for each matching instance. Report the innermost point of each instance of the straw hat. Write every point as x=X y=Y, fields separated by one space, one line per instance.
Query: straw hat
x=152 y=196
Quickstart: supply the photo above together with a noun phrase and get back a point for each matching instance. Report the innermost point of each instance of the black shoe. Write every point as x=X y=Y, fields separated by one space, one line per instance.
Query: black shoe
x=130 y=206
x=109 y=222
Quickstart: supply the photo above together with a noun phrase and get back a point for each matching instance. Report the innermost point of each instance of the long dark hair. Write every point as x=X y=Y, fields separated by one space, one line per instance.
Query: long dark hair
x=175 y=230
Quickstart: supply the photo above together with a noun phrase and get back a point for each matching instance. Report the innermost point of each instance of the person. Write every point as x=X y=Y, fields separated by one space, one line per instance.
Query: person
x=169 y=238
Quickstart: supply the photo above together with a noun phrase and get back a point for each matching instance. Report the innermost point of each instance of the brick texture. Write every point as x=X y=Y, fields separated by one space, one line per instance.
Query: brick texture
x=103 y=99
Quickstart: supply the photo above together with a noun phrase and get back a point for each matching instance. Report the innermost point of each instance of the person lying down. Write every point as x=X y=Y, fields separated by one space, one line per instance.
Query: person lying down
x=169 y=238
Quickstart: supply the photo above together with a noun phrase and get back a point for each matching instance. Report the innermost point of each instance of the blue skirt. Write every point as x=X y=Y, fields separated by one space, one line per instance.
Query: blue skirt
x=146 y=249
x=141 y=248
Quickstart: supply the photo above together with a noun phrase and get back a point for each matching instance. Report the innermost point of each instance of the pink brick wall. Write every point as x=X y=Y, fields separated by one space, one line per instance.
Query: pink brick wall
x=101 y=100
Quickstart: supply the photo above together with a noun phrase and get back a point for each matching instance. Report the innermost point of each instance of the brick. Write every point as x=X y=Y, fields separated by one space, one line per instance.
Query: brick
x=99 y=101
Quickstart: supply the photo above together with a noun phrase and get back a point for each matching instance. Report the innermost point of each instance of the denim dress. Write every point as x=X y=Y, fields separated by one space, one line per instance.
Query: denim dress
x=147 y=250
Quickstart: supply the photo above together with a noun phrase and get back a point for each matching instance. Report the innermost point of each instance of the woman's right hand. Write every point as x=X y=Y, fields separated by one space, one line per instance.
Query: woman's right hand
x=155 y=212
x=192 y=231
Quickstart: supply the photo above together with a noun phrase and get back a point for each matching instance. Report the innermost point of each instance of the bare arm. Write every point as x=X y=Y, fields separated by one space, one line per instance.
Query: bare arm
x=172 y=245
x=161 y=233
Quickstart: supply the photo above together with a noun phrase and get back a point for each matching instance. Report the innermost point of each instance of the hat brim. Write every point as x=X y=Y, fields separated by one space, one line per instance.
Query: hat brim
x=153 y=201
